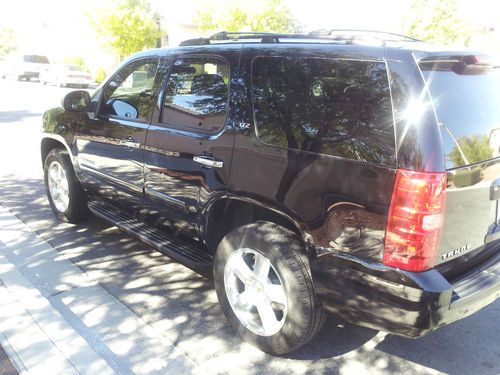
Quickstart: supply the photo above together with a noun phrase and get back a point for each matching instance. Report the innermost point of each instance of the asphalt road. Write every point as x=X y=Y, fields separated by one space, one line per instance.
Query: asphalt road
x=182 y=305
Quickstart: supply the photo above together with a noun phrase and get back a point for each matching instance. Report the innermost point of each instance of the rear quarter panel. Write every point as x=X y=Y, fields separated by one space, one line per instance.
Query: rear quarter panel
x=340 y=204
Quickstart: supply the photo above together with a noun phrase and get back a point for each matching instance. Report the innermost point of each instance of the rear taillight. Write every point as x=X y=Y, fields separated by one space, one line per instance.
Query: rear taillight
x=415 y=220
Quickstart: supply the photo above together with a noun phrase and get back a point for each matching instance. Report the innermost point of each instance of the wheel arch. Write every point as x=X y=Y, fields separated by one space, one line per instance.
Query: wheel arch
x=228 y=213
x=50 y=142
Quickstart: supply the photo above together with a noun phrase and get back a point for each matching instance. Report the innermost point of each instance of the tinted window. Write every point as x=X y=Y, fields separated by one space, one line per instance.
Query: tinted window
x=335 y=107
x=468 y=108
x=36 y=59
x=197 y=94
x=129 y=94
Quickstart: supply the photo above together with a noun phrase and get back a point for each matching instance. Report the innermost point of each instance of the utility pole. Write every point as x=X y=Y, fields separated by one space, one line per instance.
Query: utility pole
x=158 y=24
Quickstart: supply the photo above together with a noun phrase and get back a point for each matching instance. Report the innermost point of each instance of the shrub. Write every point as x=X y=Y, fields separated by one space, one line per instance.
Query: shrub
x=100 y=75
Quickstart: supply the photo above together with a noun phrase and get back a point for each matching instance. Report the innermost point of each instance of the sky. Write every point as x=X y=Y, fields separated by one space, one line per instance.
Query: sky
x=387 y=15
x=60 y=27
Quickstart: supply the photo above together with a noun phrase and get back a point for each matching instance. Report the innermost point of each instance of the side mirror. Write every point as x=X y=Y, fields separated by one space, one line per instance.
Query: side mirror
x=76 y=101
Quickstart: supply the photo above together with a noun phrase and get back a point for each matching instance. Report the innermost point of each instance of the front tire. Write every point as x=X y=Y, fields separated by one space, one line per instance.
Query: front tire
x=264 y=286
x=66 y=196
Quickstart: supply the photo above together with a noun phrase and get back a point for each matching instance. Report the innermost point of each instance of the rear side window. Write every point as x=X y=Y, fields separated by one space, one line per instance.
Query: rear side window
x=329 y=106
x=468 y=110
x=197 y=94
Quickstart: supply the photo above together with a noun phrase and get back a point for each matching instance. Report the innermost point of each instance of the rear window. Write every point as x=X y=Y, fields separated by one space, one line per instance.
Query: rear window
x=468 y=110
x=329 y=106
x=36 y=59
x=73 y=68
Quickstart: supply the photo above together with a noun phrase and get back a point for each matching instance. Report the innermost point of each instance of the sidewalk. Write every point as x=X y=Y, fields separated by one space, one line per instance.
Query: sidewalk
x=55 y=319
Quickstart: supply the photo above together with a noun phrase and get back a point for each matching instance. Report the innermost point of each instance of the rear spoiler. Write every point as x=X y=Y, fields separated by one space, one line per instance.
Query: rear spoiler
x=460 y=64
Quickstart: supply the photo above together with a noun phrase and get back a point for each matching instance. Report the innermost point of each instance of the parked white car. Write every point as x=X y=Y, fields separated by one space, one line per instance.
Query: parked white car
x=66 y=75
x=21 y=66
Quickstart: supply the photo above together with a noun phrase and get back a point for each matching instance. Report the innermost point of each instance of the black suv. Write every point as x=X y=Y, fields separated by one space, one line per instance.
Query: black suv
x=354 y=173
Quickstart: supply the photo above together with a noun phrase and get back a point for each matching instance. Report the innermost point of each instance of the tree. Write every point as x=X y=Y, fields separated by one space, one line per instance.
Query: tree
x=476 y=148
x=7 y=42
x=259 y=15
x=438 y=21
x=126 y=27
x=100 y=75
x=322 y=106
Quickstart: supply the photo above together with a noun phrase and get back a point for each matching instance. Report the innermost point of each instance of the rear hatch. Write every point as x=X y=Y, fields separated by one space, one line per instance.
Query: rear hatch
x=466 y=94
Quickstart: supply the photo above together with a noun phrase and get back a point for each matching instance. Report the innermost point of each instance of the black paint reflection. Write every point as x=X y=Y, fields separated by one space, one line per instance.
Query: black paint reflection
x=335 y=107
x=468 y=108
x=197 y=94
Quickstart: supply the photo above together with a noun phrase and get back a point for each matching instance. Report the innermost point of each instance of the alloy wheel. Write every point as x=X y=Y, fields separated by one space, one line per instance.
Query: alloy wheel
x=255 y=292
x=58 y=186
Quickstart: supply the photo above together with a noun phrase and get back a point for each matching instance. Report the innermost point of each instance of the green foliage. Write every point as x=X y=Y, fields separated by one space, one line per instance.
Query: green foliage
x=437 y=21
x=258 y=15
x=476 y=148
x=126 y=27
x=76 y=60
x=100 y=75
x=7 y=42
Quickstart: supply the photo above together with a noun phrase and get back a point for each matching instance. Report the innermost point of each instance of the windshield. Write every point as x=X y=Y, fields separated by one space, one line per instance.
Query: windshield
x=36 y=59
x=468 y=109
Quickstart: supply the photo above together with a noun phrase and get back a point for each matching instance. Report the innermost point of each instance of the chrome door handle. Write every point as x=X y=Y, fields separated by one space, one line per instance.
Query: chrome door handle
x=129 y=142
x=208 y=161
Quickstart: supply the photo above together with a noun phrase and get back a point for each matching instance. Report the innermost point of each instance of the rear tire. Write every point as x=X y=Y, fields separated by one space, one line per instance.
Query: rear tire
x=66 y=197
x=249 y=299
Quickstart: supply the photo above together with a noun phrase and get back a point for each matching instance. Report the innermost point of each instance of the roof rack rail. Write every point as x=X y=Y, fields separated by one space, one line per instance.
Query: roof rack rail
x=224 y=35
x=265 y=37
x=356 y=33
x=331 y=35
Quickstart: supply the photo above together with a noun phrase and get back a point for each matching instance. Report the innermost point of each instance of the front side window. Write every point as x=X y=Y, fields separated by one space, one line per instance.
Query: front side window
x=328 y=106
x=129 y=94
x=197 y=94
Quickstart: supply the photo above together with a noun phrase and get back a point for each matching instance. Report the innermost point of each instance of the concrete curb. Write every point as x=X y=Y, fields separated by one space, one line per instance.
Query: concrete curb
x=12 y=355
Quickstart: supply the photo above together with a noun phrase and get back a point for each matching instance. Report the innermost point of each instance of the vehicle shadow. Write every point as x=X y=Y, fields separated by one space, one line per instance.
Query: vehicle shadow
x=335 y=339
x=182 y=305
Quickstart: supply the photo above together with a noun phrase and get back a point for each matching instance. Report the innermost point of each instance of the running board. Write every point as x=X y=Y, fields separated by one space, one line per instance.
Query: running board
x=190 y=254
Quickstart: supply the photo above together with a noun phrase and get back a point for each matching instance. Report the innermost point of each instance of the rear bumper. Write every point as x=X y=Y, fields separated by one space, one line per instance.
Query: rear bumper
x=404 y=303
x=29 y=74
x=77 y=81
